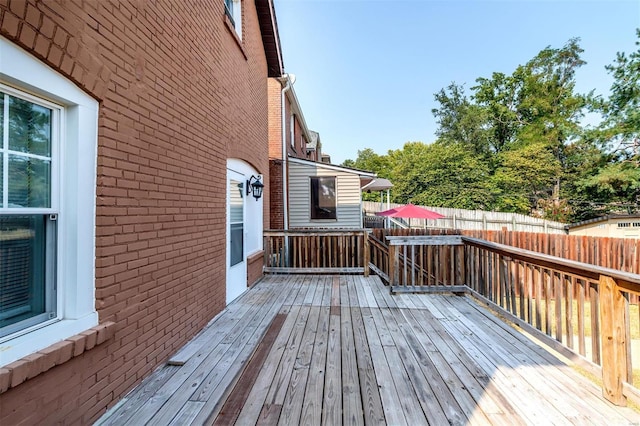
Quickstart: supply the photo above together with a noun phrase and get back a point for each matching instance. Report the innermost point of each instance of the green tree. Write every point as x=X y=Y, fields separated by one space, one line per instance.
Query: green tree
x=368 y=160
x=534 y=113
x=499 y=96
x=524 y=176
x=438 y=174
x=613 y=184
x=460 y=120
x=622 y=110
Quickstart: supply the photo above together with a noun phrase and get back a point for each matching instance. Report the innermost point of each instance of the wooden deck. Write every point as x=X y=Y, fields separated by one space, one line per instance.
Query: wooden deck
x=342 y=350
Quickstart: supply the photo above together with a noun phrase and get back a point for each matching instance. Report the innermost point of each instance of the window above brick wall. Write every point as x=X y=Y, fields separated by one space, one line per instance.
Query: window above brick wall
x=49 y=149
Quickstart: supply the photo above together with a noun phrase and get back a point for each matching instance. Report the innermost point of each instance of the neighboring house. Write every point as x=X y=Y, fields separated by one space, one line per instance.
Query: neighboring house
x=288 y=136
x=314 y=146
x=131 y=131
x=313 y=192
x=614 y=226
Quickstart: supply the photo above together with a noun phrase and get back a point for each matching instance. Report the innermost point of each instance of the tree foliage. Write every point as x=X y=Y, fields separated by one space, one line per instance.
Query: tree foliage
x=516 y=143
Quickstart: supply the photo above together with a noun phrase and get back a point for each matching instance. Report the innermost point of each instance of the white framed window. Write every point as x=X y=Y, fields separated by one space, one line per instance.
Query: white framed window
x=47 y=212
x=233 y=10
x=29 y=131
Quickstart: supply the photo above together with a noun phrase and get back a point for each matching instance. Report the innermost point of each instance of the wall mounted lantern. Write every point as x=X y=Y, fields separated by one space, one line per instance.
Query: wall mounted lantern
x=255 y=187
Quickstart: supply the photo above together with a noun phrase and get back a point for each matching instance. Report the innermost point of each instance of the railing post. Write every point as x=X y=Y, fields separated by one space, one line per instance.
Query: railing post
x=365 y=236
x=265 y=252
x=393 y=265
x=614 y=347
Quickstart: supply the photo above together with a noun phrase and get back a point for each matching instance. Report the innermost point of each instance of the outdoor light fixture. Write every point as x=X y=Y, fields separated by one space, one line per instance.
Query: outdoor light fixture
x=255 y=187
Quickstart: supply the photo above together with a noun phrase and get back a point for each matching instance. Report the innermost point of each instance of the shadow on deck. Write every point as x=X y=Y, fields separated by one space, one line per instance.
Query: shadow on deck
x=340 y=349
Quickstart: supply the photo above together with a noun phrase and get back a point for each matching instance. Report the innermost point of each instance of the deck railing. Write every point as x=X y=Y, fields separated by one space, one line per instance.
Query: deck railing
x=316 y=251
x=576 y=308
x=426 y=263
x=583 y=307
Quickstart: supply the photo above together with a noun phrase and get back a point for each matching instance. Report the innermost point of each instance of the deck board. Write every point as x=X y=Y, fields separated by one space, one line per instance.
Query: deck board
x=340 y=349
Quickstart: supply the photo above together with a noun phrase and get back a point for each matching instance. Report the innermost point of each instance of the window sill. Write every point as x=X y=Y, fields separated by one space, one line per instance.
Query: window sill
x=234 y=34
x=12 y=375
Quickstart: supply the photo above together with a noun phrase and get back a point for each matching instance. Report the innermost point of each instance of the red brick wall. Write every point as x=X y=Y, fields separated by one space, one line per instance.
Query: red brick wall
x=178 y=96
x=275 y=118
x=276 y=213
x=255 y=263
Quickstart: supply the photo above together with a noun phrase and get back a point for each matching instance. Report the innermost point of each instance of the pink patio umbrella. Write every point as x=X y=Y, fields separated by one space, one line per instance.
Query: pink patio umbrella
x=411 y=211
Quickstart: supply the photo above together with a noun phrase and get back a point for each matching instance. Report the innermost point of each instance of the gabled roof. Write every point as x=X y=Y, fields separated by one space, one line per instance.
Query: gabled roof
x=362 y=173
x=314 y=140
x=379 y=184
x=603 y=219
x=270 y=37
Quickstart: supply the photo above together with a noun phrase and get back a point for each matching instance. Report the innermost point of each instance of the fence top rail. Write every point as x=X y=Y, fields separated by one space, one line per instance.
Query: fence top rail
x=315 y=232
x=628 y=281
x=424 y=240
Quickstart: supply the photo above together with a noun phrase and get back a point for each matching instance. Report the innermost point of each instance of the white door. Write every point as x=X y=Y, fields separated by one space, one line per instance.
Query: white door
x=236 y=265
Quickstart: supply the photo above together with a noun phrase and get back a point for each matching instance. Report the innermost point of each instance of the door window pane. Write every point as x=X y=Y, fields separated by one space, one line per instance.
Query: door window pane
x=236 y=219
x=29 y=127
x=23 y=288
x=29 y=182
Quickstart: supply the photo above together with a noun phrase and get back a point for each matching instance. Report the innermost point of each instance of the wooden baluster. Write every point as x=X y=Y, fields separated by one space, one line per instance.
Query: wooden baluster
x=547 y=300
x=429 y=264
x=404 y=265
x=568 y=310
x=529 y=288
x=365 y=251
x=419 y=264
x=504 y=297
x=413 y=265
x=581 y=302
x=492 y=271
x=394 y=278
x=557 y=280
x=595 y=323
x=538 y=278
x=512 y=270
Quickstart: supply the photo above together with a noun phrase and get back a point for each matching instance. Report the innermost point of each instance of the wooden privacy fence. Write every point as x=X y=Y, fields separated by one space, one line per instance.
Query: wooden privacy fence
x=316 y=251
x=476 y=219
x=615 y=253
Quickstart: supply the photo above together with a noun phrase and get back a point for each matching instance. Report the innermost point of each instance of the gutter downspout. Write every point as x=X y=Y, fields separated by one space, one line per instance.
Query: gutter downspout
x=285 y=194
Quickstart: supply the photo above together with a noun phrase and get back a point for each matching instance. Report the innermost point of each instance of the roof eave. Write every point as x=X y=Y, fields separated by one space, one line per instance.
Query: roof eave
x=362 y=173
x=270 y=37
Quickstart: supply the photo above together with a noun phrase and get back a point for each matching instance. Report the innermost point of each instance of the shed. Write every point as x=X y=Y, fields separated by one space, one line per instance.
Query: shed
x=323 y=195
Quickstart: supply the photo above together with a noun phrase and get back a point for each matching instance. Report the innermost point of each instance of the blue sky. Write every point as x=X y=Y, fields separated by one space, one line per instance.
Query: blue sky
x=366 y=70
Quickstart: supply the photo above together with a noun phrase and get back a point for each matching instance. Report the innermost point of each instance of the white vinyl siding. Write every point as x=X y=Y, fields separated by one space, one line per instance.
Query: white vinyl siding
x=347 y=193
